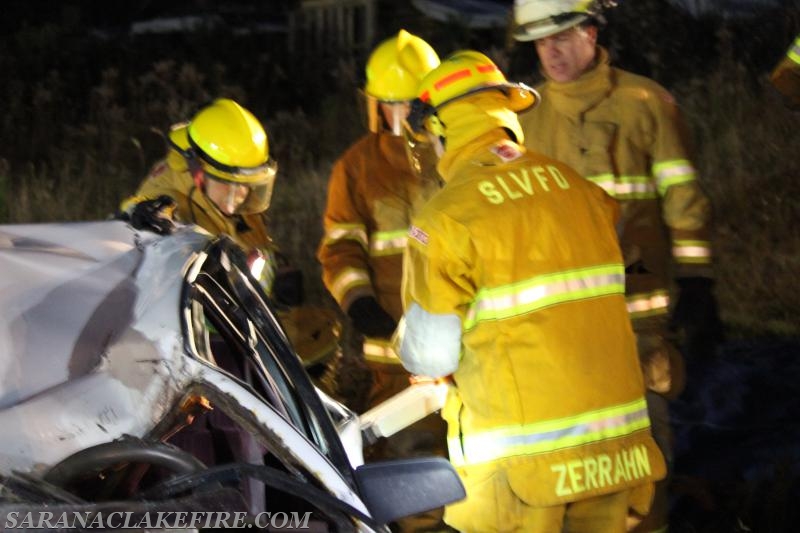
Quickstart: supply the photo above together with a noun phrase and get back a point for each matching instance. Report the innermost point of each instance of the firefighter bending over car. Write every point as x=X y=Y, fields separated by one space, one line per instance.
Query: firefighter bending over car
x=218 y=174
x=372 y=193
x=514 y=286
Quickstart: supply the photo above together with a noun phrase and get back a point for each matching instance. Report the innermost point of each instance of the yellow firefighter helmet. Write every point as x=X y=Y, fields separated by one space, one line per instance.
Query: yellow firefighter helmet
x=230 y=146
x=464 y=73
x=394 y=69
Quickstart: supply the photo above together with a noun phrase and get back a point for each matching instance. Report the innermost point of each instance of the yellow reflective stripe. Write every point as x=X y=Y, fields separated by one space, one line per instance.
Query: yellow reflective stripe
x=647 y=304
x=388 y=242
x=346 y=280
x=794 y=51
x=694 y=252
x=341 y=232
x=626 y=187
x=543 y=291
x=380 y=351
x=552 y=435
x=675 y=172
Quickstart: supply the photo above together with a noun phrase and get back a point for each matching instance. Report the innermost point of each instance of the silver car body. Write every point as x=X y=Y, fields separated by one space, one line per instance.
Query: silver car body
x=91 y=348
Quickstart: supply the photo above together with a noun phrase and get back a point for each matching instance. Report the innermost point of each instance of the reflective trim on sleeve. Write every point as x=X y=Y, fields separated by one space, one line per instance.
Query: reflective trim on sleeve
x=346 y=280
x=626 y=187
x=551 y=435
x=647 y=304
x=388 y=242
x=380 y=351
x=691 y=252
x=794 y=51
x=346 y=232
x=543 y=291
x=674 y=172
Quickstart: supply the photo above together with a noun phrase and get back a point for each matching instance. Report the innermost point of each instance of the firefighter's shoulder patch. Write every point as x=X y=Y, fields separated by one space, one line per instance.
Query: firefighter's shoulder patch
x=418 y=235
x=506 y=150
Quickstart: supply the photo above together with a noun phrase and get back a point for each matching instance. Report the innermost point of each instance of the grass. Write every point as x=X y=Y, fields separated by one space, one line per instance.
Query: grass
x=75 y=141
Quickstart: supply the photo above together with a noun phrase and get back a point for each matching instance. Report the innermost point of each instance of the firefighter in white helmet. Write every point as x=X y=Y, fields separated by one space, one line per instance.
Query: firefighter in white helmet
x=372 y=192
x=514 y=285
x=625 y=133
x=785 y=77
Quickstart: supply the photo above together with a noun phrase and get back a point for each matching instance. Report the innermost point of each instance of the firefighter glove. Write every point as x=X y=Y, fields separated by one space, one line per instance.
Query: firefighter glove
x=153 y=215
x=370 y=319
x=696 y=318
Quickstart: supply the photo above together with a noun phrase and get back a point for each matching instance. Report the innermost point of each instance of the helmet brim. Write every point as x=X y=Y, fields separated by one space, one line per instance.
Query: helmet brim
x=180 y=141
x=540 y=29
x=521 y=97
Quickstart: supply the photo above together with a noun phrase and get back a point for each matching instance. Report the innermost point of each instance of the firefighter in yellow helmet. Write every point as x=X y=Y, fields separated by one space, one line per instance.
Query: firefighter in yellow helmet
x=785 y=76
x=372 y=192
x=218 y=174
x=625 y=133
x=514 y=285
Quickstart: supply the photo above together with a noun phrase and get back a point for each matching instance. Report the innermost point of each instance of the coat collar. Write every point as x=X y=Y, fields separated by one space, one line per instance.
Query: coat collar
x=576 y=97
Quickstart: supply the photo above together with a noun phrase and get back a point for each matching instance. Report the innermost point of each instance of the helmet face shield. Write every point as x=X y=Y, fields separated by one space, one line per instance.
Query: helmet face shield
x=384 y=115
x=240 y=196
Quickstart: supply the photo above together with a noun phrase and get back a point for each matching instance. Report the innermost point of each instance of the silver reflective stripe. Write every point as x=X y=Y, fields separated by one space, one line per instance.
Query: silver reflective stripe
x=346 y=280
x=544 y=291
x=388 y=242
x=551 y=435
x=674 y=172
x=647 y=304
x=346 y=232
x=626 y=187
x=692 y=251
x=380 y=350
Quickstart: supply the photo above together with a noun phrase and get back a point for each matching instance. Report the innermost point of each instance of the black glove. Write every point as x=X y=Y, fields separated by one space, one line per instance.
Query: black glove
x=370 y=319
x=153 y=215
x=696 y=318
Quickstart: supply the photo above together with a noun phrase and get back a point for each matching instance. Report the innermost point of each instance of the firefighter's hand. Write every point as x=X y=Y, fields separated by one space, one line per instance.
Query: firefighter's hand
x=370 y=319
x=695 y=317
x=153 y=215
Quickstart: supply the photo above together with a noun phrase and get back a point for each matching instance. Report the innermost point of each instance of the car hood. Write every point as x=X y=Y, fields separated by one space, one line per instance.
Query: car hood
x=80 y=360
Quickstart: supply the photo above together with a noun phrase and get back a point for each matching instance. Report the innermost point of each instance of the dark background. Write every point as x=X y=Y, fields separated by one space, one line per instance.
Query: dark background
x=85 y=92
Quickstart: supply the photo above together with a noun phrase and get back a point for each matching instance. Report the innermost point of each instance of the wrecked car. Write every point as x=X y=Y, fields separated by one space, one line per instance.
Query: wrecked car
x=114 y=342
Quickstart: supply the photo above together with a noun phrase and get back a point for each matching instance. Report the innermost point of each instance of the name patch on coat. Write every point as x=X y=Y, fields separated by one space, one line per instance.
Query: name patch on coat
x=600 y=471
x=418 y=235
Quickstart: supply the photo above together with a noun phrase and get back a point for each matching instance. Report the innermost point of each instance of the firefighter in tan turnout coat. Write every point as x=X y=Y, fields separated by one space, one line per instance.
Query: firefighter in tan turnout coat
x=514 y=286
x=625 y=133
x=372 y=192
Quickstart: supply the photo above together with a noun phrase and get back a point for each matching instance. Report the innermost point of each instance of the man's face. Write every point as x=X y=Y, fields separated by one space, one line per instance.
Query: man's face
x=226 y=196
x=567 y=54
x=395 y=113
